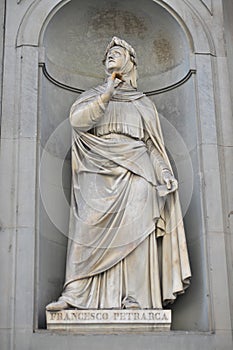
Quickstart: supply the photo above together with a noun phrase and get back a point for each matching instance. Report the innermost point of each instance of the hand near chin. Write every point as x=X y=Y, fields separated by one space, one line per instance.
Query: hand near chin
x=114 y=82
x=117 y=75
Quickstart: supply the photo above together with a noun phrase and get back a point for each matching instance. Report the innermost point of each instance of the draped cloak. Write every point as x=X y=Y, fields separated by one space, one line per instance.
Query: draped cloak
x=118 y=211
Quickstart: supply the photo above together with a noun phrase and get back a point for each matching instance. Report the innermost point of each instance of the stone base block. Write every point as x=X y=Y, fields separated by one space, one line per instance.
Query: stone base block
x=109 y=319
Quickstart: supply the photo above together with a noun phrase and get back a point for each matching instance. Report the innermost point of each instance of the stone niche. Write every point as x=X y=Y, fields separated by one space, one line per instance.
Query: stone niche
x=74 y=42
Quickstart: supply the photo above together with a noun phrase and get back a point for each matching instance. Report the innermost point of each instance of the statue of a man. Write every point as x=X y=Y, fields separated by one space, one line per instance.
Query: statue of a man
x=127 y=246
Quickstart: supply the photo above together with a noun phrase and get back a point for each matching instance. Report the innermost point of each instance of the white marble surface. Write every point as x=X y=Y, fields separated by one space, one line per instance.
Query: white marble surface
x=19 y=261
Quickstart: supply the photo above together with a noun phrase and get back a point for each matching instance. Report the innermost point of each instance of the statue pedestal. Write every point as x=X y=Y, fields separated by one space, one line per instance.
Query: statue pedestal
x=109 y=320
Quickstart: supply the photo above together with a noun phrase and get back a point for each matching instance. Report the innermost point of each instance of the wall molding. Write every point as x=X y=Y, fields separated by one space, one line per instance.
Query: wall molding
x=173 y=86
x=208 y=4
x=31 y=31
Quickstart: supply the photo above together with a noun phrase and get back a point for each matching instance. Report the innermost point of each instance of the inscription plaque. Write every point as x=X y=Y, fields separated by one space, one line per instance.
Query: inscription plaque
x=75 y=319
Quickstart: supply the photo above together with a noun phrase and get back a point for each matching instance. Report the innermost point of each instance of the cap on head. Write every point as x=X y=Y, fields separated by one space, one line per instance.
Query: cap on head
x=120 y=42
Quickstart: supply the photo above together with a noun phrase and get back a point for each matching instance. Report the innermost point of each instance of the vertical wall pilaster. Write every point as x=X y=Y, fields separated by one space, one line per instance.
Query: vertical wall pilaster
x=18 y=187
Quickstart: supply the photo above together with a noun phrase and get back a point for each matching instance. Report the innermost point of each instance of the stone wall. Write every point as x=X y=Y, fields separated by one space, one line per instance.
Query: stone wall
x=2 y=29
x=52 y=49
x=228 y=142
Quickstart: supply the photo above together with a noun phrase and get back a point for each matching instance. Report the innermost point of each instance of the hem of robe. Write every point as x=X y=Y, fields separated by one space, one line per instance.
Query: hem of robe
x=145 y=236
x=170 y=300
x=78 y=295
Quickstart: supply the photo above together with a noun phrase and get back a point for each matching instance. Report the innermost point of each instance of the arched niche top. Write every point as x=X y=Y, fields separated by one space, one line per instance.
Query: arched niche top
x=76 y=38
x=40 y=12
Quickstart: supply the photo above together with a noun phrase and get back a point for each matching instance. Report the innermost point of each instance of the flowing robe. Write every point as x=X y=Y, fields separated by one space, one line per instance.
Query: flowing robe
x=126 y=243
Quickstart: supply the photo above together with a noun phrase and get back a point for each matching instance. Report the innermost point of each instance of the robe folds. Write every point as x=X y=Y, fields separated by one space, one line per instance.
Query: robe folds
x=126 y=242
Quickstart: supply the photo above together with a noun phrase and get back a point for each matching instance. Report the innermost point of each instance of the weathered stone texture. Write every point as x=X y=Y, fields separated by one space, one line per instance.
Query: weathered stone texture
x=185 y=36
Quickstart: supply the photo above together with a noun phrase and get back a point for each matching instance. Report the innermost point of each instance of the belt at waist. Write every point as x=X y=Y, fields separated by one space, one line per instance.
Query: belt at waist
x=118 y=137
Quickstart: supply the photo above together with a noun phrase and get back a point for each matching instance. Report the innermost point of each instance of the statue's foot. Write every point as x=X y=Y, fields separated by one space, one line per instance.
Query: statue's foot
x=57 y=306
x=130 y=303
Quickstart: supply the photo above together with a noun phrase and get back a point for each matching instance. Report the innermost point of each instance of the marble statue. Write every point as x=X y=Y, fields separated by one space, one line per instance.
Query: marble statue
x=127 y=246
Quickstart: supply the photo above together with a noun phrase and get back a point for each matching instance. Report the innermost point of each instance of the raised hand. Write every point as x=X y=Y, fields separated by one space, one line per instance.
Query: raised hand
x=117 y=75
x=114 y=82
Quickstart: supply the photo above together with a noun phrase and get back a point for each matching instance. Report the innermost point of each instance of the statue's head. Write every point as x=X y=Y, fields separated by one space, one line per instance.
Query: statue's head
x=121 y=57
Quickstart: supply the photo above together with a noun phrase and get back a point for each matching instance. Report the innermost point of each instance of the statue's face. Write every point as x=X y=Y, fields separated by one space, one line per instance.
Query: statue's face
x=115 y=59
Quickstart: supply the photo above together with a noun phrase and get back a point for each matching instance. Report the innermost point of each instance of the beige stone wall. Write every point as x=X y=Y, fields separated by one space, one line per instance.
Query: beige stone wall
x=2 y=17
x=32 y=237
x=228 y=150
